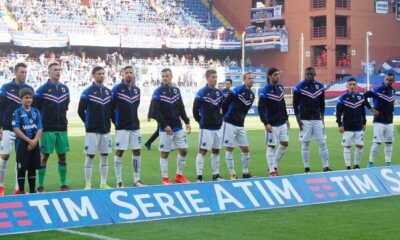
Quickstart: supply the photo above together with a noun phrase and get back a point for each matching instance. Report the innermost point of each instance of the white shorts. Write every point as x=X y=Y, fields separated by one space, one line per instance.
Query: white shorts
x=350 y=138
x=7 y=142
x=312 y=130
x=279 y=134
x=210 y=139
x=96 y=142
x=125 y=139
x=171 y=142
x=234 y=136
x=383 y=132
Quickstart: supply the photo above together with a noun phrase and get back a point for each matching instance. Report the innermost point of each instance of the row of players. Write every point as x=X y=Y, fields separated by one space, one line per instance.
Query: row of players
x=221 y=119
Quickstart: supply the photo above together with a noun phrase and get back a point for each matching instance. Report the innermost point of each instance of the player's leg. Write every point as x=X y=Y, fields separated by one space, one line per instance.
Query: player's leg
x=92 y=141
x=215 y=162
x=180 y=141
x=271 y=140
x=359 y=142
x=165 y=148
x=204 y=145
x=153 y=137
x=228 y=141
x=388 y=139
x=121 y=144
x=62 y=147
x=135 y=142
x=6 y=143
x=22 y=157
x=377 y=140
x=347 y=140
x=283 y=144
x=241 y=139
x=34 y=163
x=319 y=134
x=305 y=137
x=48 y=140
x=104 y=149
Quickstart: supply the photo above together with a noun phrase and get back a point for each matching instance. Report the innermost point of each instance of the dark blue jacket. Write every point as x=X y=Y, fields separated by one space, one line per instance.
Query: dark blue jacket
x=309 y=100
x=350 y=112
x=168 y=107
x=95 y=108
x=207 y=108
x=125 y=106
x=237 y=104
x=383 y=98
x=9 y=102
x=272 y=106
x=52 y=100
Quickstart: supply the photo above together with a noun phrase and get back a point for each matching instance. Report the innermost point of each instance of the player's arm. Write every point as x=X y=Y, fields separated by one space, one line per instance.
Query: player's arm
x=227 y=101
x=286 y=114
x=113 y=103
x=339 y=113
x=196 y=109
x=37 y=99
x=296 y=102
x=322 y=105
x=15 y=124
x=82 y=107
x=363 y=114
x=370 y=94
x=184 y=116
x=68 y=99
x=157 y=114
x=261 y=107
x=3 y=100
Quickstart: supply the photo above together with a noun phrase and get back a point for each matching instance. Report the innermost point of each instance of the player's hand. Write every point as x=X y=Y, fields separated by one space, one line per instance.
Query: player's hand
x=221 y=112
x=341 y=129
x=374 y=112
x=300 y=124
x=168 y=130
x=288 y=124
x=188 y=128
x=1 y=134
x=268 y=127
x=29 y=147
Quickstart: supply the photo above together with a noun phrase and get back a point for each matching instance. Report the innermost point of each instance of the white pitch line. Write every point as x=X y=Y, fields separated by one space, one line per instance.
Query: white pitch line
x=92 y=235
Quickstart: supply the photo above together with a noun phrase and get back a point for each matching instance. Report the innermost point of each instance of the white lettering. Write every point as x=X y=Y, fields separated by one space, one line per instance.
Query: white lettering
x=169 y=203
x=40 y=205
x=264 y=193
x=365 y=185
x=60 y=211
x=183 y=202
x=338 y=181
x=224 y=197
x=348 y=180
x=287 y=192
x=245 y=187
x=144 y=206
x=385 y=174
x=86 y=206
x=134 y=212
x=195 y=202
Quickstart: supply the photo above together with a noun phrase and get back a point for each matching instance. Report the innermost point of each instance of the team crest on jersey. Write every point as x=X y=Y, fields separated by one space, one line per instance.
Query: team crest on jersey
x=175 y=90
x=49 y=90
x=251 y=96
x=317 y=87
x=217 y=93
x=63 y=89
x=107 y=92
x=359 y=97
x=30 y=121
x=135 y=91
x=12 y=90
x=280 y=88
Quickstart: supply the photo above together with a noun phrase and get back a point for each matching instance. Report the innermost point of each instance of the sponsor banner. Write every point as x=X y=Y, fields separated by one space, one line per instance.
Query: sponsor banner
x=266 y=13
x=235 y=73
x=37 y=40
x=382 y=7
x=284 y=41
x=267 y=40
x=140 y=42
x=38 y=212
x=94 y=40
x=47 y=211
x=390 y=178
x=5 y=37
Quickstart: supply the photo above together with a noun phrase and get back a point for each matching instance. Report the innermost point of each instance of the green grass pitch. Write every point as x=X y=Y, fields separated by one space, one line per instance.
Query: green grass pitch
x=363 y=219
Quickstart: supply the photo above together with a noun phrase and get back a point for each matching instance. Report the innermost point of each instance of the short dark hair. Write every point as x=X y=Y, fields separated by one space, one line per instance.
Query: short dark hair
x=210 y=71
x=18 y=65
x=351 y=80
x=389 y=74
x=127 y=67
x=272 y=71
x=166 y=70
x=96 y=69
x=53 y=64
x=310 y=69
x=228 y=80
x=25 y=91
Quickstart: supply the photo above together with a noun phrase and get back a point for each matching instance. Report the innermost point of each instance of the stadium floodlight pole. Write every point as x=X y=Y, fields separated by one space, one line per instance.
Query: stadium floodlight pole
x=301 y=57
x=243 y=50
x=367 y=36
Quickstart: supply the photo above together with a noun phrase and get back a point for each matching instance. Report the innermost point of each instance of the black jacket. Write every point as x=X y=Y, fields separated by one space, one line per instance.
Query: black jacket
x=168 y=107
x=272 y=106
x=383 y=98
x=350 y=112
x=9 y=102
x=125 y=106
x=309 y=100
x=52 y=100
x=207 y=108
x=95 y=107
x=237 y=104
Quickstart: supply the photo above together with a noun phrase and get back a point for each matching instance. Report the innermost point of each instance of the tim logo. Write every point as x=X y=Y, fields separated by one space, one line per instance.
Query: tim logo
x=321 y=187
x=13 y=215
